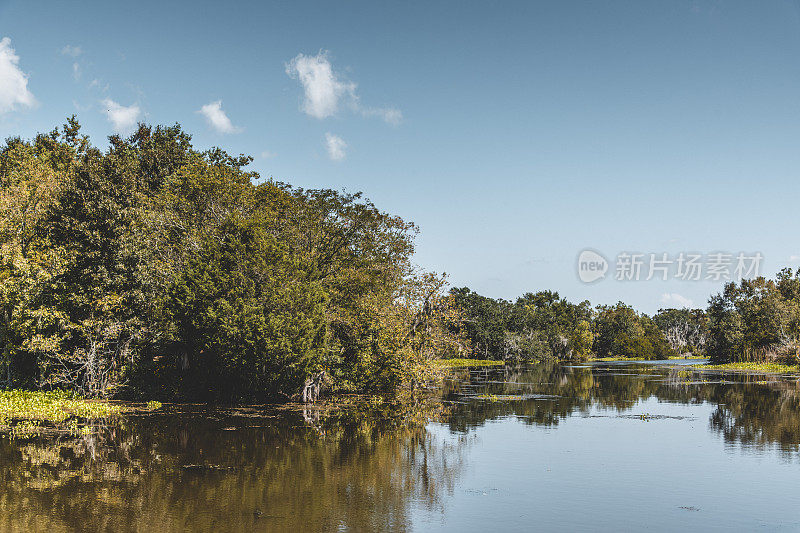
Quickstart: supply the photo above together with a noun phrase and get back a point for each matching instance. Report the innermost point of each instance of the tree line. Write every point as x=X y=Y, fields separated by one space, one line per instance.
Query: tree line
x=155 y=268
x=544 y=325
x=754 y=320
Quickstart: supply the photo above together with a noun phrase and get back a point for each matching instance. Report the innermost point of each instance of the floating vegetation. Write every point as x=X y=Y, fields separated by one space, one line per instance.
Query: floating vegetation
x=644 y=417
x=26 y=414
x=767 y=368
x=613 y=359
x=461 y=363
x=513 y=397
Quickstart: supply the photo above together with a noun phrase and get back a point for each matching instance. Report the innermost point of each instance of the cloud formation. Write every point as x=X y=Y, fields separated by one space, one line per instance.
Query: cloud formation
x=390 y=115
x=123 y=118
x=217 y=118
x=673 y=299
x=14 y=91
x=335 y=146
x=325 y=91
x=71 y=51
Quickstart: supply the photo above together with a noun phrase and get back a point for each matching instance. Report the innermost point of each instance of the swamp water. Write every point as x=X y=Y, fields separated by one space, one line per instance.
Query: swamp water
x=548 y=447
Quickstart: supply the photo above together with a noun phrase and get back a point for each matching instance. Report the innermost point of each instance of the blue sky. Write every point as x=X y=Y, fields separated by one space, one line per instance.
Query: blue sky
x=515 y=134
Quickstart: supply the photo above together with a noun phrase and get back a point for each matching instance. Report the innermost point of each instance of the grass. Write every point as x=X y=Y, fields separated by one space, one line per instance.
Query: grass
x=635 y=359
x=614 y=358
x=28 y=413
x=460 y=363
x=767 y=368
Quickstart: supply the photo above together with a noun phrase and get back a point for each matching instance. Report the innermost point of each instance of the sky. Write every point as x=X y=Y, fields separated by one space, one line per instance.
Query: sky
x=515 y=134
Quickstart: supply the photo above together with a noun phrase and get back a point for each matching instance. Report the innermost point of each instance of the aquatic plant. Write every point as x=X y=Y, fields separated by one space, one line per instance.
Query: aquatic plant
x=28 y=413
x=769 y=368
x=459 y=363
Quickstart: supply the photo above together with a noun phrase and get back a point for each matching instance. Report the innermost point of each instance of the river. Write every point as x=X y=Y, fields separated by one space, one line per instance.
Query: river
x=548 y=447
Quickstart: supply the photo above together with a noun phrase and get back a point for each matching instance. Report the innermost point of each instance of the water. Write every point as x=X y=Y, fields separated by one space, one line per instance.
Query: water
x=601 y=447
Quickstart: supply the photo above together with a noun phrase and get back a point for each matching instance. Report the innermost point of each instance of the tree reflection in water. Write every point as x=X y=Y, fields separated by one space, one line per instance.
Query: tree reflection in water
x=751 y=410
x=241 y=469
x=330 y=468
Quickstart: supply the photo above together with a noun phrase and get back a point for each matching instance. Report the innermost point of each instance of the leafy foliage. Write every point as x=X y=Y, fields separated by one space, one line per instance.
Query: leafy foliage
x=543 y=325
x=622 y=332
x=756 y=320
x=686 y=330
x=154 y=268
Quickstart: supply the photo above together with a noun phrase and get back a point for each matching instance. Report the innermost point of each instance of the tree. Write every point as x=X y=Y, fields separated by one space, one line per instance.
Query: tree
x=621 y=332
x=153 y=266
x=684 y=329
x=581 y=340
x=756 y=320
x=484 y=321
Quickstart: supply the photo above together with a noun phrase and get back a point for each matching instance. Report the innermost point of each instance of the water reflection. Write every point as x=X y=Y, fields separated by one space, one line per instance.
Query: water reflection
x=241 y=470
x=256 y=469
x=752 y=410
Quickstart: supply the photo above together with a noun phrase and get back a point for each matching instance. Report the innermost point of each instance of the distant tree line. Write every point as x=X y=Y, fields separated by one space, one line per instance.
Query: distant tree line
x=155 y=268
x=754 y=320
x=543 y=325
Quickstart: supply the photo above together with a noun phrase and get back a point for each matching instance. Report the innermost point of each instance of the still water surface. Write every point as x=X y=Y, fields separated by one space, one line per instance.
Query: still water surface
x=600 y=447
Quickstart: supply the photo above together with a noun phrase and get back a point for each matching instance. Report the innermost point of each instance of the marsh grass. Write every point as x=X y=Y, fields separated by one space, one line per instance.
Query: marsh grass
x=30 y=413
x=762 y=367
x=460 y=363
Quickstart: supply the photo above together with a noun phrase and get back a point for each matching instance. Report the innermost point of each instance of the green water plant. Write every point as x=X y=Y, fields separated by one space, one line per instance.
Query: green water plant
x=762 y=367
x=460 y=363
x=29 y=413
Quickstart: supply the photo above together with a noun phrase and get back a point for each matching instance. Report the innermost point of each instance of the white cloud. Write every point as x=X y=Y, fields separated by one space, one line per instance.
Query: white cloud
x=13 y=82
x=217 y=118
x=123 y=118
x=266 y=154
x=74 y=52
x=673 y=299
x=325 y=91
x=793 y=258
x=97 y=84
x=390 y=115
x=71 y=51
x=335 y=146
